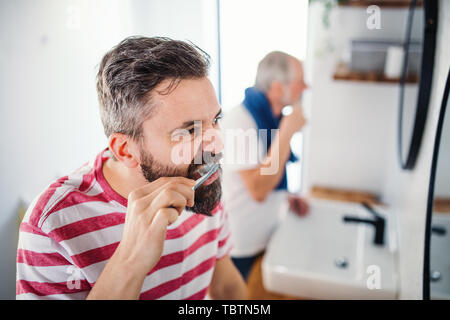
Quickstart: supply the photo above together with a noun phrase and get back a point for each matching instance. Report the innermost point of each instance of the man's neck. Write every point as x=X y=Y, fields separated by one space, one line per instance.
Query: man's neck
x=120 y=178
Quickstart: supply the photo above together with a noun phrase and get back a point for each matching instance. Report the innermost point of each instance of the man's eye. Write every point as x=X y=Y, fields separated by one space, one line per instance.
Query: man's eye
x=219 y=117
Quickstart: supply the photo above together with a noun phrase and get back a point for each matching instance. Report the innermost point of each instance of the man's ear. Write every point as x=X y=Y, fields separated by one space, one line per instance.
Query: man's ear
x=124 y=149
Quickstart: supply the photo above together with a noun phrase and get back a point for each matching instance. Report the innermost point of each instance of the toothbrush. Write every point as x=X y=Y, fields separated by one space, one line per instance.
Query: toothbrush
x=212 y=169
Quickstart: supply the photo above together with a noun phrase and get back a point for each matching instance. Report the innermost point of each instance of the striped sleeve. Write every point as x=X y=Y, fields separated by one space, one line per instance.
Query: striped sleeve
x=44 y=270
x=224 y=244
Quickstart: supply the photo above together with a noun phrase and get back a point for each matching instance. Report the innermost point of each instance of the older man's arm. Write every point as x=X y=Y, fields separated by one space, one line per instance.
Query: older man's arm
x=262 y=180
x=227 y=283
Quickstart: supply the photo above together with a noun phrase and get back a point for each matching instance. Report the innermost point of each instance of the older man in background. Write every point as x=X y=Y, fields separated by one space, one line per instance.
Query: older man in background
x=254 y=191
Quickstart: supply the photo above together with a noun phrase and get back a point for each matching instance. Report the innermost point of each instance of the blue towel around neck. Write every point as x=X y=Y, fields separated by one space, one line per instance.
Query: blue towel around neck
x=258 y=105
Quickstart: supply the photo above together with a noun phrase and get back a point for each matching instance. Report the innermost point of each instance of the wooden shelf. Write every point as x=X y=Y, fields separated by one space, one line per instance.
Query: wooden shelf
x=344 y=73
x=441 y=205
x=380 y=3
x=322 y=192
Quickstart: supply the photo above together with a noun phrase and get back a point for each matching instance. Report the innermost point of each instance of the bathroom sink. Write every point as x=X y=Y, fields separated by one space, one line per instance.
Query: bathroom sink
x=321 y=257
x=440 y=263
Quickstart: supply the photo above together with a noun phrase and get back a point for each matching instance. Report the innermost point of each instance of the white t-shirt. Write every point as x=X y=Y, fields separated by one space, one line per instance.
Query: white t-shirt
x=252 y=223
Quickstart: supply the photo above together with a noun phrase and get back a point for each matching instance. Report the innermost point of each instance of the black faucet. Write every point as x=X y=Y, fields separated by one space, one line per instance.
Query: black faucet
x=438 y=230
x=378 y=222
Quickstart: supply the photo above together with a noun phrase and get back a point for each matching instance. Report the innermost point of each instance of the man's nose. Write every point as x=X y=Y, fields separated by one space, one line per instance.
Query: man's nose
x=212 y=141
x=305 y=85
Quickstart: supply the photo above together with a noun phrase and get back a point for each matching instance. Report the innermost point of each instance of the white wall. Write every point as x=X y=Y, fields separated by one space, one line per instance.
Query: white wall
x=409 y=189
x=352 y=138
x=49 y=117
x=347 y=144
x=442 y=186
x=249 y=30
x=194 y=21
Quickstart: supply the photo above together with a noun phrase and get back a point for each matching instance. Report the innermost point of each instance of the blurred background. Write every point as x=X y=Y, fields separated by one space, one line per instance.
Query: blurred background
x=50 y=124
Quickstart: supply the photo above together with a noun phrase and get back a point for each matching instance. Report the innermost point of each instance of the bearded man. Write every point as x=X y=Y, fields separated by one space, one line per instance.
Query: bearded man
x=128 y=224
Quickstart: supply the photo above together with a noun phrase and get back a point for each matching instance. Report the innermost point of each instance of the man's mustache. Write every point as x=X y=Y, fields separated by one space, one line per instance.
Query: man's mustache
x=208 y=158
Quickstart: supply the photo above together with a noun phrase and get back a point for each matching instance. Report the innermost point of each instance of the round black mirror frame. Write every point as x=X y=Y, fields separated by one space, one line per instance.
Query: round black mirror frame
x=426 y=76
x=437 y=141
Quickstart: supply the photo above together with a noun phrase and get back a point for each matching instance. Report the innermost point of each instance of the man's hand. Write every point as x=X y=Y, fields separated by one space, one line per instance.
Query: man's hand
x=150 y=210
x=295 y=121
x=298 y=205
x=261 y=185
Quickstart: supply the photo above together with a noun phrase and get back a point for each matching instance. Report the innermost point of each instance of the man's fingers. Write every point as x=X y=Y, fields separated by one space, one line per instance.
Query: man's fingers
x=183 y=189
x=305 y=206
x=168 y=198
x=150 y=187
x=163 y=218
x=296 y=206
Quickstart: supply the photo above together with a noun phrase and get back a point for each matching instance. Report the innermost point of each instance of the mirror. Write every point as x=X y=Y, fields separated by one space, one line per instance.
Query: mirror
x=437 y=236
x=415 y=82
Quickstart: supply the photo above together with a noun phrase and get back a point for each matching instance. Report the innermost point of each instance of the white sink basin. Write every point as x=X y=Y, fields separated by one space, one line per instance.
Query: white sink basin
x=439 y=261
x=303 y=254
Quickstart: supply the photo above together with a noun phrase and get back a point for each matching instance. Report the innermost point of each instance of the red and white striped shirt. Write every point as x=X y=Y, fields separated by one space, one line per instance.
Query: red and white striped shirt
x=71 y=230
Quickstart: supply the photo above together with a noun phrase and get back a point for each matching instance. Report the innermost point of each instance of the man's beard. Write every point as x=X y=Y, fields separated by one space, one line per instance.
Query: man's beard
x=206 y=197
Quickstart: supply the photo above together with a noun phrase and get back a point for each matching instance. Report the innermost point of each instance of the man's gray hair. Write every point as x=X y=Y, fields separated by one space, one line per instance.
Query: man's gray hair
x=275 y=66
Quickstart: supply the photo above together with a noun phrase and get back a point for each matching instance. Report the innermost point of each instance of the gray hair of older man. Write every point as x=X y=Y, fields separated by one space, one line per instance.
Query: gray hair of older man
x=275 y=66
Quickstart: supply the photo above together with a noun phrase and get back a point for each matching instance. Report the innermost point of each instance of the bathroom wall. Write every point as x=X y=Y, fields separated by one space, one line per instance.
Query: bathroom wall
x=408 y=190
x=348 y=143
x=49 y=121
x=351 y=141
x=442 y=185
